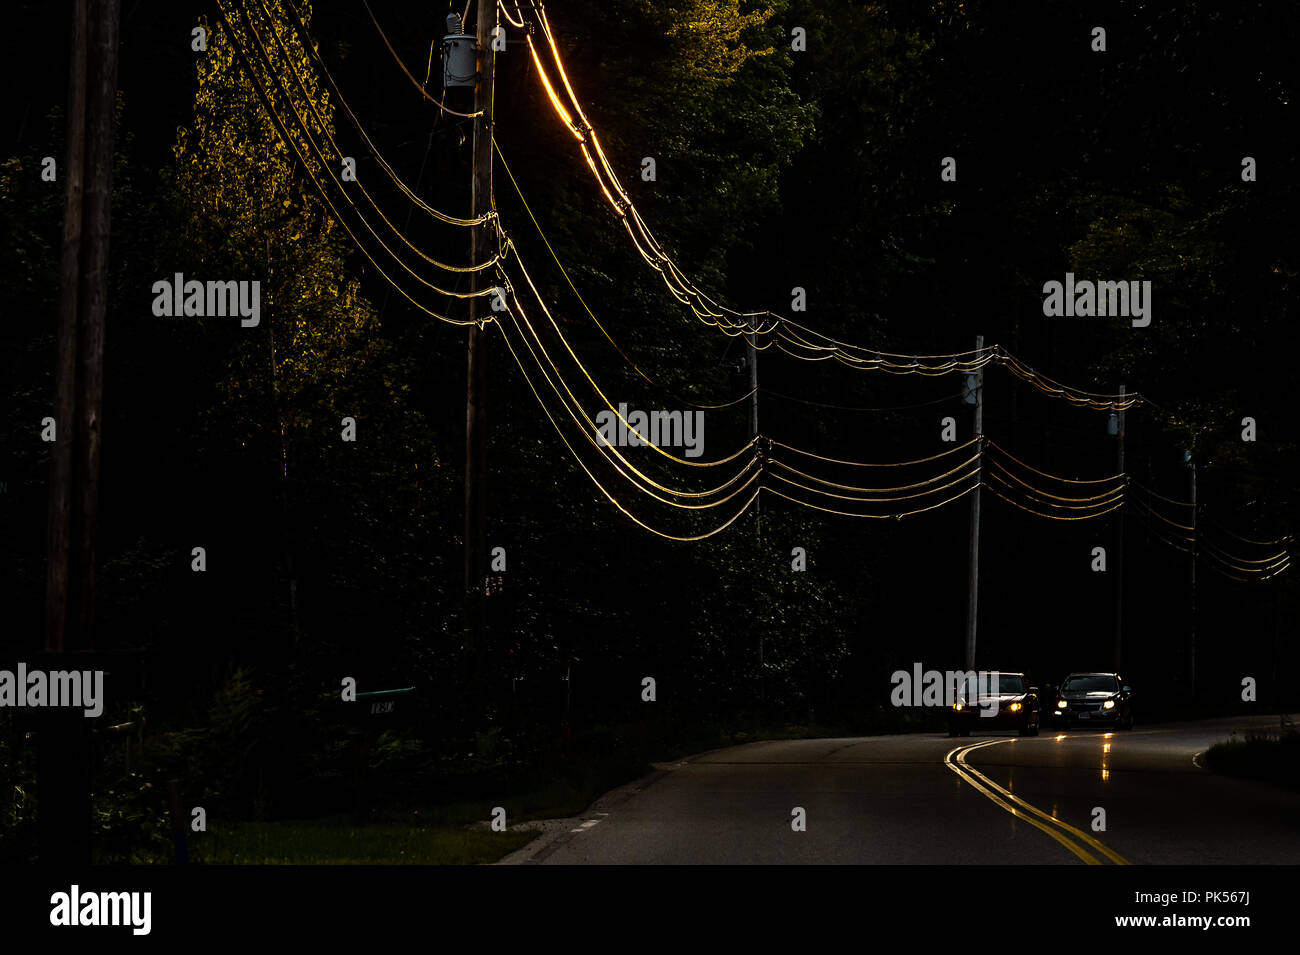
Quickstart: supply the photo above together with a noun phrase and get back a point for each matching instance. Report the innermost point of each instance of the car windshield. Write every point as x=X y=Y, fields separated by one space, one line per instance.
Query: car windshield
x=1011 y=683
x=1090 y=683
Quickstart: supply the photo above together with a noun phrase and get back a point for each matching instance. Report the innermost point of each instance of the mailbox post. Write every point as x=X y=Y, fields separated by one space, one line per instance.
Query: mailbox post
x=369 y=712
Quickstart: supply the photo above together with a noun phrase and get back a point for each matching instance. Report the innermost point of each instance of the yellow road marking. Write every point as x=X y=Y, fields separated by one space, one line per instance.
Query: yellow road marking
x=1004 y=798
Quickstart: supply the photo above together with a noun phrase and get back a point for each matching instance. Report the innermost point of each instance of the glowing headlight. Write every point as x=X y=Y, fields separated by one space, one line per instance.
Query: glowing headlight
x=957 y=706
x=1108 y=705
x=1062 y=704
x=1013 y=707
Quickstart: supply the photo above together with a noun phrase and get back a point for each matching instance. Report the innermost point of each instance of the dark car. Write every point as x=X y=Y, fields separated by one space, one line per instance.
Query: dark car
x=1091 y=699
x=1017 y=708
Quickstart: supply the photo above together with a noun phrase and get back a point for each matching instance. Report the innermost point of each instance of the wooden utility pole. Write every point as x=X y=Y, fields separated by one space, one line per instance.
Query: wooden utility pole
x=1191 y=564
x=481 y=248
x=1119 y=542
x=63 y=768
x=61 y=529
x=972 y=607
x=758 y=517
x=753 y=409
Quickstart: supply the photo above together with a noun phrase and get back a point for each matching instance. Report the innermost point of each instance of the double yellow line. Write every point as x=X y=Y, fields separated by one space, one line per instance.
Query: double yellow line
x=1076 y=840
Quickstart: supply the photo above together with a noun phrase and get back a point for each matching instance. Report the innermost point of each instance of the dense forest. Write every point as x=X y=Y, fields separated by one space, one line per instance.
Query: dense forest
x=796 y=145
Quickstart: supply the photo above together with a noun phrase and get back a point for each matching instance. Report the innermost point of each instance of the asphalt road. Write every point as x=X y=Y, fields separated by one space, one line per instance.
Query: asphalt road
x=929 y=799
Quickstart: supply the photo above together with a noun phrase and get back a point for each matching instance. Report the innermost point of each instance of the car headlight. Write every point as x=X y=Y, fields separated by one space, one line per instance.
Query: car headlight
x=1014 y=707
x=1062 y=704
x=1108 y=705
x=957 y=707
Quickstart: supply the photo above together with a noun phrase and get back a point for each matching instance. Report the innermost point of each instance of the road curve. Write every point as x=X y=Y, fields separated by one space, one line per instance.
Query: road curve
x=926 y=799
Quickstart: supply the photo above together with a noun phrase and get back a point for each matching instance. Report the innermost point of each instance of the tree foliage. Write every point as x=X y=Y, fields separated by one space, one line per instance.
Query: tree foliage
x=818 y=169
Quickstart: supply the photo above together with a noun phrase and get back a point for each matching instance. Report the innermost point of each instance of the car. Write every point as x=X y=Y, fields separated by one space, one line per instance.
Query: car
x=1092 y=699
x=1017 y=708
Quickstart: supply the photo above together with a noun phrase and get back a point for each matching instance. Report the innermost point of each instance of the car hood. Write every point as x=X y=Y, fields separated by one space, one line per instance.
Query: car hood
x=1088 y=694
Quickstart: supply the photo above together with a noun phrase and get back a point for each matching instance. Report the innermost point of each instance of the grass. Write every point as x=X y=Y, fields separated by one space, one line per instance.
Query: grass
x=326 y=842
x=1274 y=760
x=434 y=834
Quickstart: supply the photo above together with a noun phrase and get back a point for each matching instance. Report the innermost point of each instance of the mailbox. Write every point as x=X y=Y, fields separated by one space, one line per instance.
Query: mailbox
x=382 y=702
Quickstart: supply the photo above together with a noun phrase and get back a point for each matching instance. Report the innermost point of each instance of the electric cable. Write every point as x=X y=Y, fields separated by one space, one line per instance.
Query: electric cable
x=303 y=161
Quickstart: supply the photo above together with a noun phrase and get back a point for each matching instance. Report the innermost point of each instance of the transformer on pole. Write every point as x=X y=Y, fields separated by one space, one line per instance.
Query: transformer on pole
x=459 y=55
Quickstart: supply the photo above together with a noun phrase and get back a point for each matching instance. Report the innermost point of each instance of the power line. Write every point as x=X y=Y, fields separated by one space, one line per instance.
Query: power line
x=306 y=165
x=788 y=336
x=305 y=40
x=868 y=464
x=608 y=496
x=689 y=294
x=546 y=311
x=324 y=127
x=319 y=157
x=527 y=208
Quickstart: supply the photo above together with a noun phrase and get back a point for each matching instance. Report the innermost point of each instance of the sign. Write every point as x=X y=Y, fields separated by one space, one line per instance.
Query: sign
x=382 y=702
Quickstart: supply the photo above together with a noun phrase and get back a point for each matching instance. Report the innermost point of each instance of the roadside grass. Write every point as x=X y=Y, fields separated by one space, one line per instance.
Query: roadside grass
x=1275 y=760
x=453 y=833
x=337 y=842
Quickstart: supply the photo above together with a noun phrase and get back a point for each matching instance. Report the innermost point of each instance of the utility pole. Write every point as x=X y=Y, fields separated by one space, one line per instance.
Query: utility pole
x=758 y=516
x=1191 y=688
x=63 y=767
x=972 y=608
x=1119 y=542
x=481 y=238
x=753 y=407
x=59 y=569
x=1277 y=640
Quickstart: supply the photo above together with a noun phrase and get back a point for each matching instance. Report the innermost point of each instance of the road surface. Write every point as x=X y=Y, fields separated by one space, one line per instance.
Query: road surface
x=929 y=799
